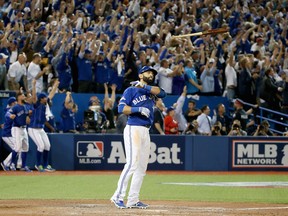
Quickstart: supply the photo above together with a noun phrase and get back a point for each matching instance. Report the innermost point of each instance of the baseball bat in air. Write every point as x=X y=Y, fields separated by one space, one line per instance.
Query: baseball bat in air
x=208 y=32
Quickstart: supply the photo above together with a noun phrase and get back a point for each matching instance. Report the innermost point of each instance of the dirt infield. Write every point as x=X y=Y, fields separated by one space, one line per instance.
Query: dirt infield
x=104 y=207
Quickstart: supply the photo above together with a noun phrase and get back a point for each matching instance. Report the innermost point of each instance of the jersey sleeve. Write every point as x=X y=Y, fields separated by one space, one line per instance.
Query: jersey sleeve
x=126 y=97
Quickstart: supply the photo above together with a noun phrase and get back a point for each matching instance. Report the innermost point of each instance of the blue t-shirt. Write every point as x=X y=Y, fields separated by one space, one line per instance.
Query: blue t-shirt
x=190 y=73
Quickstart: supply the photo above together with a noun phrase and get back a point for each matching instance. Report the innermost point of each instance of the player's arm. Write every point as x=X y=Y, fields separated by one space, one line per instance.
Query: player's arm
x=68 y=99
x=158 y=128
x=25 y=82
x=54 y=89
x=10 y=114
x=50 y=127
x=34 y=98
x=157 y=91
x=124 y=108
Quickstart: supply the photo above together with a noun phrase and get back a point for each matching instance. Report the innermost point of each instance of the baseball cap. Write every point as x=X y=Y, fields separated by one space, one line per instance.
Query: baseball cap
x=3 y=56
x=259 y=39
x=42 y=28
x=11 y=100
x=238 y=101
x=170 y=109
x=87 y=51
x=211 y=60
x=42 y=95
x=147 y=68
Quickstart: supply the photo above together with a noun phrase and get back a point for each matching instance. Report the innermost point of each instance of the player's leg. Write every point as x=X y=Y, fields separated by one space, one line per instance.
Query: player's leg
x=25 y=149
x=47 y=147
x=132 y=139
x=140 y=172
x=11 y=141
x=8 y=141
x=37 y=139
x=18 y=135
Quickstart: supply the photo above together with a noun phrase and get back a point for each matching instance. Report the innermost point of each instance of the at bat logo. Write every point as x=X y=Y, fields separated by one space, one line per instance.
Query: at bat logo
x=161 y=155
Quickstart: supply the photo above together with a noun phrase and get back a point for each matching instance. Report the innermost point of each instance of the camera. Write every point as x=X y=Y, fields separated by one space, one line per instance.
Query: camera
x=236 y=127
x=93 y=121
x=191 y=126
x=216 y=128
x=261 y=127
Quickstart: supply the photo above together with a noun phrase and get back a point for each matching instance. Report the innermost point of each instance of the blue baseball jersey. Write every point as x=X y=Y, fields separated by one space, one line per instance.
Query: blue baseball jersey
x=38 y=117
x=68 y=119
x=6 y=132
x=84 y=69
x=29 y=107
x=21 y=113
x=102 y=71
x=138 y=97
x=64 y=73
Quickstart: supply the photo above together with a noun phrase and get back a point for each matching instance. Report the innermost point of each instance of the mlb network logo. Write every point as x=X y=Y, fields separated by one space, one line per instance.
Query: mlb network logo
x=90 y=149
x=260 y=153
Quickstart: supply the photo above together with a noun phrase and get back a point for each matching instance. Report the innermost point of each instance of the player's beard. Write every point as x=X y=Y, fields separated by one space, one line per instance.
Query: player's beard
x=149 y=80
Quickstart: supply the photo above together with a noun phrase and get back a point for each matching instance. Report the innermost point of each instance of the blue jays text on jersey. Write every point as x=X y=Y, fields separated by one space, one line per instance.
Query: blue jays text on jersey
x=21 y=113
x=138 y=97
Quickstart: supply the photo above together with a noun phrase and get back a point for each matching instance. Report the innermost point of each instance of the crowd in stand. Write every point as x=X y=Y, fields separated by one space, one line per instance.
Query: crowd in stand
x=90 y=45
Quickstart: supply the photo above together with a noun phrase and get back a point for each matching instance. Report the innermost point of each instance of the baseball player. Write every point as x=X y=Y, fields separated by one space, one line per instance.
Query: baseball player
x=20 y=115
x=137 y=102
x=7 y=136
x=36 y=127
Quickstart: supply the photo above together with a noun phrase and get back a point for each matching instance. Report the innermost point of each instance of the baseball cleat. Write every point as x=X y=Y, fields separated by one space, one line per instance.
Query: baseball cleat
x=118 y=203
x=12 y=167
x=26 y=169
x=138 y=205
x=39 y=168
x=49 y=169
x=5 y=168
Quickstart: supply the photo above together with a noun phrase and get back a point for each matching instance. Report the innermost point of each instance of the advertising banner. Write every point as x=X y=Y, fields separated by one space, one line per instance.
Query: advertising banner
x=266 y=153
x=97 y=152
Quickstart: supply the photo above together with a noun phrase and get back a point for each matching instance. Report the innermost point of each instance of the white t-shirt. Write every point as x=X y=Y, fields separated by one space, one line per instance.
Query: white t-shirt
x=32 y=72
x=165 y=82
x=16 y=70
x=13 y=56
x=231 y=76
x=261 y=49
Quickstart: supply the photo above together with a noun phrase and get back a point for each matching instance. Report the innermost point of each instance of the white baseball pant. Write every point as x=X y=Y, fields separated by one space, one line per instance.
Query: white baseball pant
x=10 y=141
x=137 y=148
x=21 y=139
x=40 y=138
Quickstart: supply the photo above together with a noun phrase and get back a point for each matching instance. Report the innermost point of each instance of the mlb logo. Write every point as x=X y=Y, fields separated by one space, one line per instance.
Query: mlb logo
x=90 y=149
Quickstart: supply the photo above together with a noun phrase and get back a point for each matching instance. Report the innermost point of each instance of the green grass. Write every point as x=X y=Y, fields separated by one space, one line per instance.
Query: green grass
x=103 y=186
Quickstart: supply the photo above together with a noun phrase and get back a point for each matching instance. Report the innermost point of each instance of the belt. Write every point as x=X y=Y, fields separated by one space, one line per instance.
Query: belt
x=231 y=87
x=147 y=126
x=23 y=126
